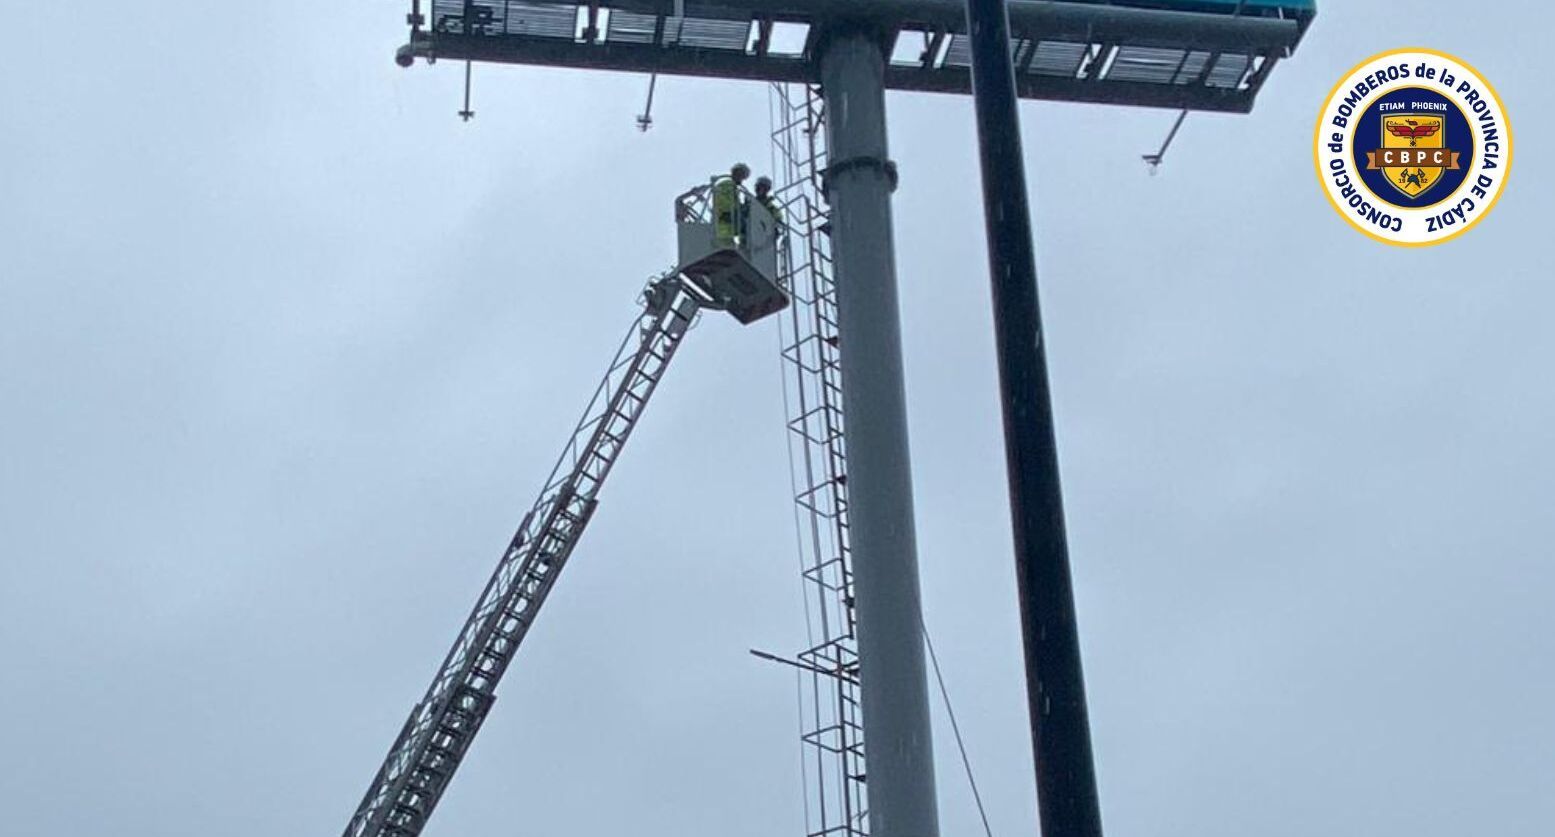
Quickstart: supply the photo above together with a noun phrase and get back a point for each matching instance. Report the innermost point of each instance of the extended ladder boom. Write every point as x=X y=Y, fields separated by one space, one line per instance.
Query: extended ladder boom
x=441 y=726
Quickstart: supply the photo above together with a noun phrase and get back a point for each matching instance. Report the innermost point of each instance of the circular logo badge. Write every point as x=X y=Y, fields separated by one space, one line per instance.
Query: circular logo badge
x=1413 y=147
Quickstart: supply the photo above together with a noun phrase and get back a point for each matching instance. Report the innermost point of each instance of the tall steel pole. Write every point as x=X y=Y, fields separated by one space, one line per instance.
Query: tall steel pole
x=1055 y=685
x=894 y=685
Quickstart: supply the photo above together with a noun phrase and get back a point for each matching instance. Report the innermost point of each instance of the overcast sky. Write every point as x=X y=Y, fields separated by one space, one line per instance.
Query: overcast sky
x=286 y=348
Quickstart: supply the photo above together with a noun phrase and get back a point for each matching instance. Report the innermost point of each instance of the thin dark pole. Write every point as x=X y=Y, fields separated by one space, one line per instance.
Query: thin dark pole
x=1055 y=684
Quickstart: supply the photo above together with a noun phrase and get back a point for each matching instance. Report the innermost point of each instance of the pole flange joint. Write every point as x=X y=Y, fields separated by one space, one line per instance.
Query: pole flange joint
x=880 y=164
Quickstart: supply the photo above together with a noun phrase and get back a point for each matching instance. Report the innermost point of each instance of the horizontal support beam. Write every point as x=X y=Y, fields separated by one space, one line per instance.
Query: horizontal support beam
x=1060 y=89
x=1049 y=19
x=712 y=63
x=637 y=58
x=1045 y=21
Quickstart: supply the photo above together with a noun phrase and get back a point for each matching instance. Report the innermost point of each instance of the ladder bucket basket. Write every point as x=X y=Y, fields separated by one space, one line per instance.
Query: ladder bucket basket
x=740 y=273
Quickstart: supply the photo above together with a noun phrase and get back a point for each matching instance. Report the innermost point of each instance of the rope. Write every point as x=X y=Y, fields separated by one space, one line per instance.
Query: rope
x=775 y=112
x=956 y=728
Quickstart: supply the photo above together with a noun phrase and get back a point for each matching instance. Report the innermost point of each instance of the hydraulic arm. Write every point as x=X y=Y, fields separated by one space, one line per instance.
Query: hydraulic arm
x=739 y=277
x=441 y=726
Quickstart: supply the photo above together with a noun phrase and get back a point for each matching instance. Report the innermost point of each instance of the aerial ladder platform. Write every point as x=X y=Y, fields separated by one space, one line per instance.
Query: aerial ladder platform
x=741 y=277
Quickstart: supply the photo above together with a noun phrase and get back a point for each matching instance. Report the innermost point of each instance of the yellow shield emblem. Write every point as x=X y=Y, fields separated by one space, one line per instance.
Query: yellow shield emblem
x=1414 y=136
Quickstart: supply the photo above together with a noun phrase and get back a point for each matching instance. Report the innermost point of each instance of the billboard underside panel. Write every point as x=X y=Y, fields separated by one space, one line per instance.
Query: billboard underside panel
x=1198 y=54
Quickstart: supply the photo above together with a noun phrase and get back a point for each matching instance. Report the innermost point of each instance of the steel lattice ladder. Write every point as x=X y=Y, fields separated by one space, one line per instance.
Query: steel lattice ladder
x=832 y=716
x=441 y=726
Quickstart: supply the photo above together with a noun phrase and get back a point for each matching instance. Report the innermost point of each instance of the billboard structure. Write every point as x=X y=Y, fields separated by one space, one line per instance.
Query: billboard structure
x=1209 y=55
x=1197 y=54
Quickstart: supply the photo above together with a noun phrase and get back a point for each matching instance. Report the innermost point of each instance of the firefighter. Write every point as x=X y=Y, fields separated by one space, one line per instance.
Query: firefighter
x=765 y=197
x=726 y=204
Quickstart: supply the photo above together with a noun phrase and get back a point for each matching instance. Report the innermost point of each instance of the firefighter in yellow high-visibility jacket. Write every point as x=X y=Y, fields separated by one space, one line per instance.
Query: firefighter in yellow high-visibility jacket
x=726 y=204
